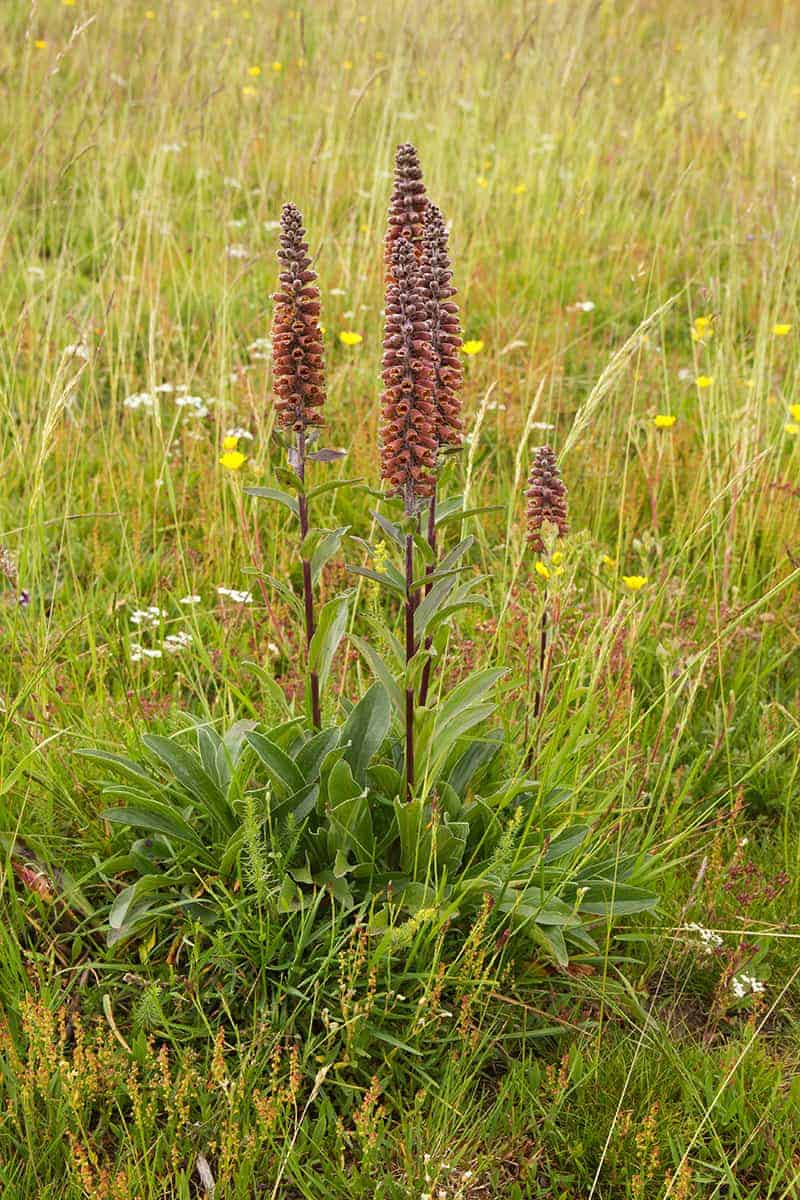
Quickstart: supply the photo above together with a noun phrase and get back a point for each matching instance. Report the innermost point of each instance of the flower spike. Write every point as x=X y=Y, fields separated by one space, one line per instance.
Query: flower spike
x=297 y=348
x=547 y=498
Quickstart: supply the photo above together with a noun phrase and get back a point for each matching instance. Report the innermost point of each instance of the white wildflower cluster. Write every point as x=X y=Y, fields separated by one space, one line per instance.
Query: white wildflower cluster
x=744 y=984
x=708 y=940
x=237 y=250
x=236 y=597
x=240 y=433
x=148 y=617
x=77 y=350
x=191 y=599
x=194 y=407
x=175 y=642
x=582 y=306
x=138 y=652
x=260 y=349
x=140 y=400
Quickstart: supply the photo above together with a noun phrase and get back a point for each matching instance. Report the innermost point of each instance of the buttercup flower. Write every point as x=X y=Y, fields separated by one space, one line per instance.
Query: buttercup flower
x=634 y=582
x=664 y=420
x=348 y=338
x=541 y=569
x=474 y=346
x=704 y=381
x=232 y=460
x=781 y=329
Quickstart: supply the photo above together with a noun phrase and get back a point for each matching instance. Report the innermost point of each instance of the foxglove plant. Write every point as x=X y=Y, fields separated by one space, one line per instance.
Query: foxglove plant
x=407 y=207
x=546 y=511
x=409 y=442
x=391 y=810
x=299 y=385
x=448 y=375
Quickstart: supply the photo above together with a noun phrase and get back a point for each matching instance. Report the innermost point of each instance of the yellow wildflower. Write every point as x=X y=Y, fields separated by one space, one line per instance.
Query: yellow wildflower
x=249 y=90
x=634 y=582
x=149 y=15
x=794 y=411
x=704 y=381
x=40 y=44
x=472 y=347
x=348 y=338
x=519 y=188
x=781 y=330
x=347 y=65
x=664 y=420
x=608 y=561
x=232 y=459
x=277 y=66
x=230 y=442
x=792 y=427
x=254 y=71
x=702 y=329
x=482 y=181
x=557 y=558
x=541 y=569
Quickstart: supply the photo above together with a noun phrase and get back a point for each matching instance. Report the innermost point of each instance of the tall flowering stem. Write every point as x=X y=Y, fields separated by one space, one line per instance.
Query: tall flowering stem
x=448 y=376
x=547 y=506
x=408 y=205
x=408 y=436
x=299 y=379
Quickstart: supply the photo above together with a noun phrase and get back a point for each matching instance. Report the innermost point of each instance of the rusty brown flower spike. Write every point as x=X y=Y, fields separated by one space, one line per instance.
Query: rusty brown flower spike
x=297 y=348
x=437 y=278
x=408 y=204
x=547 y=498
x=408 y=441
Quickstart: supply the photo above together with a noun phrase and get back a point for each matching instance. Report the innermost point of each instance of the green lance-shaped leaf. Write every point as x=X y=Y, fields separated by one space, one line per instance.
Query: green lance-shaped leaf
x=279 y=497
x=365 y=729
x=283 y=771
x=188 y=772
x=155 y=817
x=327 y=636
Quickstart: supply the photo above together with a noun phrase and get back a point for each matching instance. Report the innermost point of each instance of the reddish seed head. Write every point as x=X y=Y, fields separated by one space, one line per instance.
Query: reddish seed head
x=297 y=349
x=547 y=498
x=408 y=204
x=408 y=436
x=437 y=280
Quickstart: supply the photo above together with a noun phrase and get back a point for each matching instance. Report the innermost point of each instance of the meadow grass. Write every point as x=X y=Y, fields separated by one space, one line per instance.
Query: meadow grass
x=621 y=185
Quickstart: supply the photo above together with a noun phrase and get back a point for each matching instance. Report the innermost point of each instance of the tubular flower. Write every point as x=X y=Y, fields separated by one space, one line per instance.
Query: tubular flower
x=297 y=349
x=408 y=436
x=408 y=204
x=442 y=314
x=547 y=498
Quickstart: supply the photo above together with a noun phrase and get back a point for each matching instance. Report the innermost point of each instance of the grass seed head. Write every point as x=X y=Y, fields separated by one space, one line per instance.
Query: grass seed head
x=547 y=498
x=409 y=444
x=297 y=349
x=437 y=278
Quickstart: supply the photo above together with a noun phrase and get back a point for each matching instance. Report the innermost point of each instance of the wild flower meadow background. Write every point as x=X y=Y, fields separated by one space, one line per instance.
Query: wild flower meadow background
x=621 y=186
